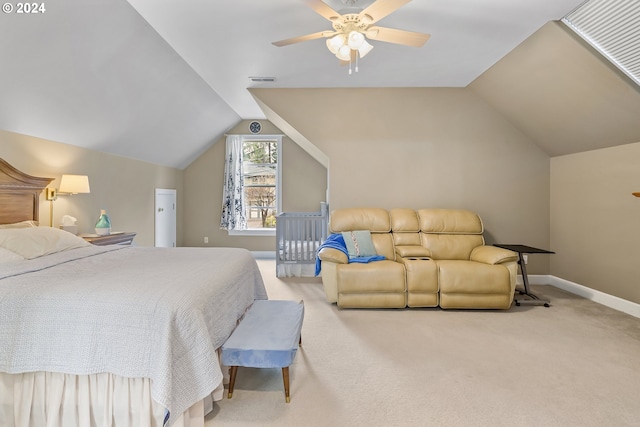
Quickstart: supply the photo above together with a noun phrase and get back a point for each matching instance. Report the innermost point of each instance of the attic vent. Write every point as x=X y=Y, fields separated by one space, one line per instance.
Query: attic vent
x=263 y=79
x=613 y=28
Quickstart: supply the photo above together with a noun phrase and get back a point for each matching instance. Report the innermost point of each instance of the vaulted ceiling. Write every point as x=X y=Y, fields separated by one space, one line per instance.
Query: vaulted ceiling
x=161 y=80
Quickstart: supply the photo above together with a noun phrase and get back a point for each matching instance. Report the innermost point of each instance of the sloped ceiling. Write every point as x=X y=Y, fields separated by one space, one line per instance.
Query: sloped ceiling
x=95 y=74
x=160 y=80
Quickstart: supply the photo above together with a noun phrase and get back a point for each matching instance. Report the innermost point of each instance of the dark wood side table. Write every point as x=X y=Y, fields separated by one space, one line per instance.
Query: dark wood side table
x=524 y=249
x=117 y=238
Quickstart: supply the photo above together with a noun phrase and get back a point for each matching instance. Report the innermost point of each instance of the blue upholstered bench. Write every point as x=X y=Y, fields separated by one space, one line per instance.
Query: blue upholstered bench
x=267 y=337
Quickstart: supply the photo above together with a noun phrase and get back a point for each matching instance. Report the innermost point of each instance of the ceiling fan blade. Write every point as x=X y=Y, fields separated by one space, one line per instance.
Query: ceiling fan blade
x=391 y=35
x=322 y=9
x=381 y=8
x=304 y=38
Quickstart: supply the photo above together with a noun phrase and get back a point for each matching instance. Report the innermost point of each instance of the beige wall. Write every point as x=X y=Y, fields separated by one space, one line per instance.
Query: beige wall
x=595 y=221
x=304 y=183
x=562 y=94
x=124 y=187
x=425 y=147
x=569 y=100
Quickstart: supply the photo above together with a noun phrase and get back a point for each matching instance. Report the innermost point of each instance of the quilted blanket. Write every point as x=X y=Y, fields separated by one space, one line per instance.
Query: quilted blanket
x=157 y=313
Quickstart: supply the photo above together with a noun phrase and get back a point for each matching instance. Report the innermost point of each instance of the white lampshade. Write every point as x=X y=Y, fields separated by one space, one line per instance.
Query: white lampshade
x=74 y=184
x=355 y=40
x=344 y=53
x=335 y=43
x=364 y=48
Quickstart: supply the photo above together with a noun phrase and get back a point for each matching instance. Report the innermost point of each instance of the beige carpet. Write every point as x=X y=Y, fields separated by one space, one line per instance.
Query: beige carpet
x=576 y=363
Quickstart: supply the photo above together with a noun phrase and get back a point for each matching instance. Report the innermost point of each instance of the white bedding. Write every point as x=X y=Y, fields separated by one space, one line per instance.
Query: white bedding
x=137 y=312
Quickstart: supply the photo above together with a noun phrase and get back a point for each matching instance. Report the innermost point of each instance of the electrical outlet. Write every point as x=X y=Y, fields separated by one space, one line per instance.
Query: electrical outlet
x=206 y=239
x=525 y=258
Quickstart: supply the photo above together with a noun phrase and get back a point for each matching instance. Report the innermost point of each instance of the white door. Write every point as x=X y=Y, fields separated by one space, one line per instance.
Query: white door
x=165 y=218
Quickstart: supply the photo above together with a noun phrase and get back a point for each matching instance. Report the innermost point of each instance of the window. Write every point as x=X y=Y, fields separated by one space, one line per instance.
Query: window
x=261 y=179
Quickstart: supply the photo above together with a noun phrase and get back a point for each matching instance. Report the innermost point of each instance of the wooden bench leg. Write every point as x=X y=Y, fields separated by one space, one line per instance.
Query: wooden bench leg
x=285 y=378
x=233 y=370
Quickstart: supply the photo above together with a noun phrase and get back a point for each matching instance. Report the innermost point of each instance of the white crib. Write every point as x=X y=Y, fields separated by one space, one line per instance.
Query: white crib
x=298 y=236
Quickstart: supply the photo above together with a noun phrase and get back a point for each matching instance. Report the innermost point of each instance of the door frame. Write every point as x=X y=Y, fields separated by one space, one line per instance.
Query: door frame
x=164 y=192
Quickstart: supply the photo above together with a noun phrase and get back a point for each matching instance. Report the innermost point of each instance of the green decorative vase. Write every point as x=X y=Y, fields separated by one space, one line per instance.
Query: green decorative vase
x=103 y=226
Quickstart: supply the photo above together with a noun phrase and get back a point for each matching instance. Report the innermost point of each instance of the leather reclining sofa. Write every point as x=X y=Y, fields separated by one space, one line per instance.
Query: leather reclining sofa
x=433 y=258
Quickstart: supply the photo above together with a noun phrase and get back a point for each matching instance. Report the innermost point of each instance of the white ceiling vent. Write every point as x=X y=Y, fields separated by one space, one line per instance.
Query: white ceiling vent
x=613 y=28
x=262 y=79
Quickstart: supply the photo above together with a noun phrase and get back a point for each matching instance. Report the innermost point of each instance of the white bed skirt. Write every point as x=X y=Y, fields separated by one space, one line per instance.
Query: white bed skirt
x=53 y=399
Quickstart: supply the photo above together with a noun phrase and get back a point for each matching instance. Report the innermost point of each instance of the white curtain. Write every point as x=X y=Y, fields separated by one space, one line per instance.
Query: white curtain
x=233 y=217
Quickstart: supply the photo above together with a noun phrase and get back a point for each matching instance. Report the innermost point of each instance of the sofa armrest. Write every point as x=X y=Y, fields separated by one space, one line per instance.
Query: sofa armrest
x=492 y=255
x=333 y=255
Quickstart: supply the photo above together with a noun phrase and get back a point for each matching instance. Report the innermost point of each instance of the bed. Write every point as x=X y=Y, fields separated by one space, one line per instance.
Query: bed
x=114 y=335
x=298 y=236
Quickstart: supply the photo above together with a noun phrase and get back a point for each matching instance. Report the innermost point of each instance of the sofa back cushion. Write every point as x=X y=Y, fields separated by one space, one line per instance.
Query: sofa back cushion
x=450 y=233
x=376 y=220
x=405 y=227
x=451 y=247
x=449 y=221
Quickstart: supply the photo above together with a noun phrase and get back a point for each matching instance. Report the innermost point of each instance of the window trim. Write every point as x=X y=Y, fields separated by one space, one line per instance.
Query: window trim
x=265 y=231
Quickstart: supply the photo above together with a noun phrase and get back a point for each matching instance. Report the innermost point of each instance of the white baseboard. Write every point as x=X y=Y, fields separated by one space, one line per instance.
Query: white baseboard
x=264 y=254
x=611 y=301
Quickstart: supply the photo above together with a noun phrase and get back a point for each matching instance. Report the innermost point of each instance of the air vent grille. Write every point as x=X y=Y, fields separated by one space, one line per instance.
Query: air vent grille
x=262 y=79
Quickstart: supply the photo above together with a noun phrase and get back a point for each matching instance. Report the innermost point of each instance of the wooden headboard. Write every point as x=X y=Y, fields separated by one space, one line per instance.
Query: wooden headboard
x=19 y=194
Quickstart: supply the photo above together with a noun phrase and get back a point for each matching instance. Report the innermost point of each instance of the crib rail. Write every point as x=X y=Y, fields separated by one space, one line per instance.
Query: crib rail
x=298 y=236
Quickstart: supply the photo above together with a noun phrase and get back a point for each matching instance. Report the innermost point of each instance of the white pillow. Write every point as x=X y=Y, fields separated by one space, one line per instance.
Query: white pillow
x=7 y=256
x=35 y=242
x=21 y=224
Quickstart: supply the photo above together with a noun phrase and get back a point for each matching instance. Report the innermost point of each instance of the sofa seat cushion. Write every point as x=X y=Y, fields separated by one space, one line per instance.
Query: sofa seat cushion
x=422 y=275
x=378 y=276
x=470 y=277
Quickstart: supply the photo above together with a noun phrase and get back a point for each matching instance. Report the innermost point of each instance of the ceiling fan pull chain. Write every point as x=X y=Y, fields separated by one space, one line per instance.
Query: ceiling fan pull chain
x=357 y=55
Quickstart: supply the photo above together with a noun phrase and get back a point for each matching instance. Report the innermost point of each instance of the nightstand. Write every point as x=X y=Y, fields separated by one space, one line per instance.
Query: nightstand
x=117 y=238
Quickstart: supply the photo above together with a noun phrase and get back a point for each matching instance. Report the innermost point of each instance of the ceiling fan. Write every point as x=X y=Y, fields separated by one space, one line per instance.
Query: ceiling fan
x=353 y=26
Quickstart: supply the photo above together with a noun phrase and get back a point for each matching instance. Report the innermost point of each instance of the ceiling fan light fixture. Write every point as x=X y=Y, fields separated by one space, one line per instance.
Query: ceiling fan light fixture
x=344 y=53
x=335 y=43
x=356 y=39
x=364 y=49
